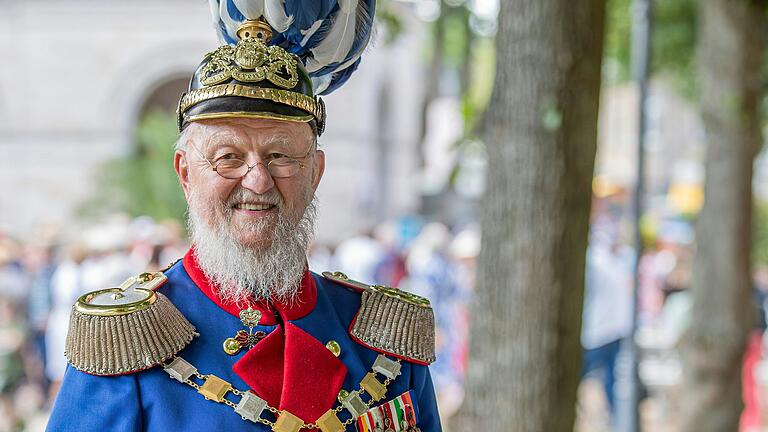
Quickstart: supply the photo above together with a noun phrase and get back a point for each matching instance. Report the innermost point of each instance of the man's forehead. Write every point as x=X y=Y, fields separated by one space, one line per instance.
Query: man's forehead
x=249 y=131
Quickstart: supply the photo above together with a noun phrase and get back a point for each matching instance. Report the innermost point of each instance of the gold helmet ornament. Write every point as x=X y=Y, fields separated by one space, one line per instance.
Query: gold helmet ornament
x=277 y=57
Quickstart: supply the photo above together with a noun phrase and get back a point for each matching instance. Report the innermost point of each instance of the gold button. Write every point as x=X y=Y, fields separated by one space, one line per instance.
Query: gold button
x=343 y=394
x=231 y=346
x=334 y=347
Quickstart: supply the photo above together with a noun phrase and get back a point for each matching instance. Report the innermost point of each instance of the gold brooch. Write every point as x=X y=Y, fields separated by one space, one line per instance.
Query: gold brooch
x=250 y=318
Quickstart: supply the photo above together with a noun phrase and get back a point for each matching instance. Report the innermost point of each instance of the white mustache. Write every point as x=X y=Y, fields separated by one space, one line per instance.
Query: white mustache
x=240 y=196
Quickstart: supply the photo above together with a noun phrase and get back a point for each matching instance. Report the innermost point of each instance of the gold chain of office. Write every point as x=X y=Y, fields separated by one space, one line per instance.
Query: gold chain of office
x=250 y=406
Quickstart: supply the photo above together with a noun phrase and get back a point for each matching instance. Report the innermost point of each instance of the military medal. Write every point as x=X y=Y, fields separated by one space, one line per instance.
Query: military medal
x=250 y=318
x=396 y=415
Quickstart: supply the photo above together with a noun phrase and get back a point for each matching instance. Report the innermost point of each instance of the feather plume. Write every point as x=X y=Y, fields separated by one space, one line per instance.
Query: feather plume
x=217 y=24
x=319 y=84
x=309 y=32
x=312 y=65
x=274 y=11
x=351 y=60
x=329 y=36
x=339 y=78
x=229 y=23
x=365 y=27
x=337 y=43
x=251 y=9
x=214 y=5
x=306 y=13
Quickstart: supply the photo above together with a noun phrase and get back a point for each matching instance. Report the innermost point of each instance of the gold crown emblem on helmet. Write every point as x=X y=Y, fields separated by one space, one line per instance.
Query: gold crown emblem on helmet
x=251 y=60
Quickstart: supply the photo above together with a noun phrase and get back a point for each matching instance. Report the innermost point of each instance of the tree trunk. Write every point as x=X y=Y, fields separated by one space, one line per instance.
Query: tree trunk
x=540 y=130
x=730 y=53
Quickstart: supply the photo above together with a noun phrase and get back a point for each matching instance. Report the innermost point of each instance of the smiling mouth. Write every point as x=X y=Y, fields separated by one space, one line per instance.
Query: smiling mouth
x=254 y=206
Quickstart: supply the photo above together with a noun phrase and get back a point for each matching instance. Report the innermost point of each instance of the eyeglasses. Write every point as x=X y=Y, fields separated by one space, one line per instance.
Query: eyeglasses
x=234 y=168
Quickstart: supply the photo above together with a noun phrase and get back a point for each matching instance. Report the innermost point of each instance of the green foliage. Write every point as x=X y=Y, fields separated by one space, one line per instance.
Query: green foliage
x=457 y=35
x=471 y=58
x=144 y=182
x=673 y=42
x=616 y=52
x=482 y=70
x=387 y=17
x=760 y=234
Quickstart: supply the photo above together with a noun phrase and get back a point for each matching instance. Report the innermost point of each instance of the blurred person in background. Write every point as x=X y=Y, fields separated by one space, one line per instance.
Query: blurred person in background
x=276 y=345
x=607 y=315
x=374 y=256
x=359 y=256
x=655 y=264
x=172 y=241
x=463 y=252
x=154 y=245
x=13 y=290
x=665 y=268
x=67 y=284
x=110 y=245
x=390 y=269
x=40 y=264
x=13 y=279
x=147 y=243
x=753 y=375
x=320 y=257
x=433 y=273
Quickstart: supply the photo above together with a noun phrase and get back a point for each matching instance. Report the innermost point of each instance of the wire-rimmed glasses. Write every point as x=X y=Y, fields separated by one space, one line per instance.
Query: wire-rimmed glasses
x=235 y=168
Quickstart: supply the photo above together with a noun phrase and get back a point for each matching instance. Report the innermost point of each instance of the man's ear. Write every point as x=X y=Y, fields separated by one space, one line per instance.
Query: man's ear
x=318 y=168
x=181 y=166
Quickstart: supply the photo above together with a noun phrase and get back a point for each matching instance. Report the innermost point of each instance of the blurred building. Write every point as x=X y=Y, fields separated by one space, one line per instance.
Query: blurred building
x=78 y=75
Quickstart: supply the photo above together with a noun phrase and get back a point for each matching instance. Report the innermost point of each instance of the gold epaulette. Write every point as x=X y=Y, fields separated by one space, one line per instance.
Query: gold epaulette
x=127 y=329
x=392 y=321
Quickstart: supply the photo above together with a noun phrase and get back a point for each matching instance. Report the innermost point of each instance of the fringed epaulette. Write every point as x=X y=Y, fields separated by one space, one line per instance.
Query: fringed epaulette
x=127 y=329
x=392 y=321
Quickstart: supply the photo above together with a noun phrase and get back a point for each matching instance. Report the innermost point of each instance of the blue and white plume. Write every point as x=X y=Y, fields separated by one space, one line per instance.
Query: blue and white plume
x=328 y=35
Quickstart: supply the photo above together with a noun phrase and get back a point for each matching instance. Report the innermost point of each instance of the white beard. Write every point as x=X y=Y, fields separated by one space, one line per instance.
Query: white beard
x=239 y=272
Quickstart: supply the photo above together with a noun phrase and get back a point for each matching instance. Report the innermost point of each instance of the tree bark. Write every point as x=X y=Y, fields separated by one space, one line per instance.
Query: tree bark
x=730 y=53
x=540 y=131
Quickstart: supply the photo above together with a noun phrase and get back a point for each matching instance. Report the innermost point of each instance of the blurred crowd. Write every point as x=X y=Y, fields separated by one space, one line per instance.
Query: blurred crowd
x=42 y=276
x=664 y=305
x=427 y=259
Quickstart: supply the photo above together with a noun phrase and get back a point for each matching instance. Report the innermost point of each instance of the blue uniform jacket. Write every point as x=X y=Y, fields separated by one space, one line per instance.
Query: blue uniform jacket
x=290 y=368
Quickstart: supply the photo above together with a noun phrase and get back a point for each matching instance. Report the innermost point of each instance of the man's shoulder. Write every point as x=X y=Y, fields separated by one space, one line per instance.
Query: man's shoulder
x=390 y=320
x=126 y=329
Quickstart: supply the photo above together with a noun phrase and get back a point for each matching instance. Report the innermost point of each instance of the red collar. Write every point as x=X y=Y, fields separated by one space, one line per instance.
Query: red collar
x=299 y=308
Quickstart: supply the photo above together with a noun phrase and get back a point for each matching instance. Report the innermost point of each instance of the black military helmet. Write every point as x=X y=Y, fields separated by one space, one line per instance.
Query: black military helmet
x=251 y=80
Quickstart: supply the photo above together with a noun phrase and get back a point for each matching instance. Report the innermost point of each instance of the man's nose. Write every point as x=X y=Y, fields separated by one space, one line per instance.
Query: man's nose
x=258 y=179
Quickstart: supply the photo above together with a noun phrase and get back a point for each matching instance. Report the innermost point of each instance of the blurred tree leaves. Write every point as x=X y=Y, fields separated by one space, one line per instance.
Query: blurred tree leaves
x=673 y=42
x=760 y=234
x=388 y=19
x=616 y=51
x=142 y=182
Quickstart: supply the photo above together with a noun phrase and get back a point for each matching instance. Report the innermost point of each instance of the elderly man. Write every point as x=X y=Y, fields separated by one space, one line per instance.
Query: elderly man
x=239 y=335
